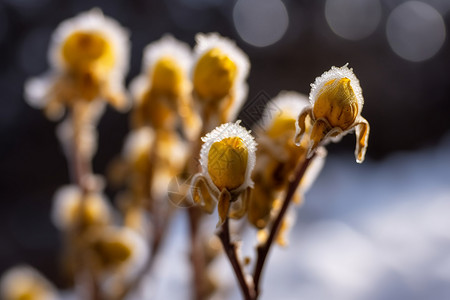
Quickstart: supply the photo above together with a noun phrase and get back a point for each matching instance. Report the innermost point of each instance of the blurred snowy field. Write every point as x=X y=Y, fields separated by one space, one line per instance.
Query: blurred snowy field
x=376 y=231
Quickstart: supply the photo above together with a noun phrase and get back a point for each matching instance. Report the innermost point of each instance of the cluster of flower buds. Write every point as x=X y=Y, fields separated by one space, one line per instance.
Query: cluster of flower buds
x=179 y=96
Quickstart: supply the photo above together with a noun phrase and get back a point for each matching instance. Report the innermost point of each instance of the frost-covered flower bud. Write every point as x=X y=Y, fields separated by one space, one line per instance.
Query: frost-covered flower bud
x=336 y=105
x=89 y=58
x=227 y=159
x=218 y=75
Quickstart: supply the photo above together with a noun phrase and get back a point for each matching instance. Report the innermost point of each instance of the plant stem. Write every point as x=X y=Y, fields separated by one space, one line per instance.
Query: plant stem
x=263 y=249
x=231 y=251
x=155 y=246
x=81 y=167
x=197 y=254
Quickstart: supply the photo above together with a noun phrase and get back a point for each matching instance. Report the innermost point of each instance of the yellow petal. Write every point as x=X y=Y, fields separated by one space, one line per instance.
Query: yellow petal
x=227 y=163
x=337 y=103
x=83 y=50
x=167 y=78
x=214 y=75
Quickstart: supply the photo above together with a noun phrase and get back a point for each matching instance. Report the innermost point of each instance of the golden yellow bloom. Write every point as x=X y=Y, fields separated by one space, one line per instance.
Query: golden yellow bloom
x=214 y=75
x=89 y=59
x=85 y=51
x=336 y=105
x=218 y=75
x=227 y=158
x=167 y=77
x=25 y=283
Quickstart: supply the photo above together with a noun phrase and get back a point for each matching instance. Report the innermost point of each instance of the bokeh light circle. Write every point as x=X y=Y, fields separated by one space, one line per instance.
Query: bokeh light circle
x=260 y=22
x=415 y=31
x=353 y=19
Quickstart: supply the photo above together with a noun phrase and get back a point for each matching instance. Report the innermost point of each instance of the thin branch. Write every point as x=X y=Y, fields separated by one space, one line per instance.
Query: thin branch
x=155 y=246
x=263 y=249
x=81 y=169
x=231 y=251
x=197 y=254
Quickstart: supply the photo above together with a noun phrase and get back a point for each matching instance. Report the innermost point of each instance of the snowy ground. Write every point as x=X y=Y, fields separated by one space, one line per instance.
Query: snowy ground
x=376 y=231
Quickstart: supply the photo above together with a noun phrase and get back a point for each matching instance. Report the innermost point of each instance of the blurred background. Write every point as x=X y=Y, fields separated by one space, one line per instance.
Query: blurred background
x=374 y=231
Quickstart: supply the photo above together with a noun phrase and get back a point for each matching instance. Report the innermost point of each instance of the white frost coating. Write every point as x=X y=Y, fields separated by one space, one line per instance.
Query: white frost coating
x=206 y=42
x=167 y=46
x=24 y=278
x=337 y=73
x=224 y=131
x=93 y=21
x=288 y=103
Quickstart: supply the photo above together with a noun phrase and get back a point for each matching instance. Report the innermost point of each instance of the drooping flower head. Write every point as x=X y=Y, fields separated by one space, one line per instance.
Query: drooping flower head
x=336 y=105
x=25 y=283
x=89 y=58
x=219 y=75
x=227 y=160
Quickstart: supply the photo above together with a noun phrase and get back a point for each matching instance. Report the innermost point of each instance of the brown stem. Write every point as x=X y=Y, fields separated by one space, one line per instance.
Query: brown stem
x=263 y=249
x=231 y=251
x=81 y=170
x=81 y=165
x=197 y=254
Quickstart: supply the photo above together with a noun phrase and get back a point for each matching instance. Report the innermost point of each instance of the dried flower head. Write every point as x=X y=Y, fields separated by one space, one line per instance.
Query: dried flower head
x=72 y=209
x=25 y=283
x=227 y=160
x=219 y=75
x=89 y=58
x=336 y=105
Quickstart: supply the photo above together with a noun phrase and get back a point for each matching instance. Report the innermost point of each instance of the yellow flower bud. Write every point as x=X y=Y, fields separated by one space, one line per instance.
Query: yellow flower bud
x=337 y=103
x=89 y=58
x=83 y=51
x=167 y=77
x=282 y=125
x=227 y=163
x=214 y=75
